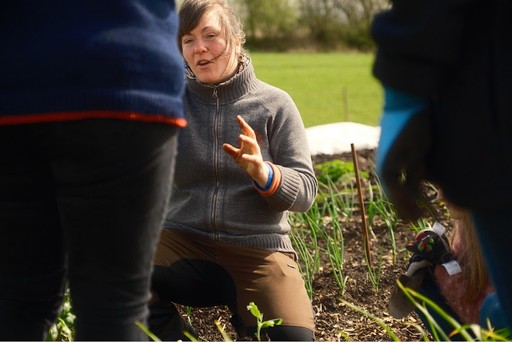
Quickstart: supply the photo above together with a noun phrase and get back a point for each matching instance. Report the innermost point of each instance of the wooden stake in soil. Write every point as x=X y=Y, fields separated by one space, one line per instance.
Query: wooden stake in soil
x=361 y=204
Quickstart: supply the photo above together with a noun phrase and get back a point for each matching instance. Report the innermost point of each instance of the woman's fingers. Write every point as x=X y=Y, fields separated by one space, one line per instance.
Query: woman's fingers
x=231 y=150
x=246 y=129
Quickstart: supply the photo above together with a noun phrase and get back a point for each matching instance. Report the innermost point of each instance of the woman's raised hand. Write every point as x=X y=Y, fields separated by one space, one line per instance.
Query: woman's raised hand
x=248 y=155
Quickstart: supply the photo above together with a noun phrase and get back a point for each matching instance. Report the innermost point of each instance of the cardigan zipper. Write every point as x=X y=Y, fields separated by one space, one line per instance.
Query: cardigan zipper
x=216 y=165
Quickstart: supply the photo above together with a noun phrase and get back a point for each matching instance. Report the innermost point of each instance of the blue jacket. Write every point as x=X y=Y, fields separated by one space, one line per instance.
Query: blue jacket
x=70 y=60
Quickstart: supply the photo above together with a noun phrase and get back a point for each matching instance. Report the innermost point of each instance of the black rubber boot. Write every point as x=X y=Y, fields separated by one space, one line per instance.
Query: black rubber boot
x=167 y=324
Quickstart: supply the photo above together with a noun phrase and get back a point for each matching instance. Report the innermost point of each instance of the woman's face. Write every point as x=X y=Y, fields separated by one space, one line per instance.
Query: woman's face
x=207 y=52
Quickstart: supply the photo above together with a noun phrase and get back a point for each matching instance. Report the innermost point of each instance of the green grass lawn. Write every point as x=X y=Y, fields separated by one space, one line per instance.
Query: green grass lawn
x=327 y=87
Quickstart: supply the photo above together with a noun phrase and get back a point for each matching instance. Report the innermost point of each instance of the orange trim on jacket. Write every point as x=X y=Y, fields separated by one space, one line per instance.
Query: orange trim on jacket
x=90 y=114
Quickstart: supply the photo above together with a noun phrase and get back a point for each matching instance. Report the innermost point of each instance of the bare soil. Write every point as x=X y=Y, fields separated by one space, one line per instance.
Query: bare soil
x=334 y=320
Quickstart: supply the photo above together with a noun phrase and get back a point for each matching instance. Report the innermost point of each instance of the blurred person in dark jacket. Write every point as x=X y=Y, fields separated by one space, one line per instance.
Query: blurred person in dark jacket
x=445 y=66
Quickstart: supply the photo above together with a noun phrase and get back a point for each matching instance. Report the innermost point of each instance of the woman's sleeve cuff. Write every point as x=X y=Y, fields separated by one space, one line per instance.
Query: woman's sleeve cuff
x=274 y=179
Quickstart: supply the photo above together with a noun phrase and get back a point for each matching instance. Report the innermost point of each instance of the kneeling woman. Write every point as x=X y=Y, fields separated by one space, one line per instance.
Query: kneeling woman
x=243 y=164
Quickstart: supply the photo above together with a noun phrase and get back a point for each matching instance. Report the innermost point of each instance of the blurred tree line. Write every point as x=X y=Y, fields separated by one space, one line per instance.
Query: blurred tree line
x=319 y=25
x=316 y=25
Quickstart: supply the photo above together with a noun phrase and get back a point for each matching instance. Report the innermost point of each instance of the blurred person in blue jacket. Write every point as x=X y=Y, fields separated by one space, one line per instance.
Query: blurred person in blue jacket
x=90 y=108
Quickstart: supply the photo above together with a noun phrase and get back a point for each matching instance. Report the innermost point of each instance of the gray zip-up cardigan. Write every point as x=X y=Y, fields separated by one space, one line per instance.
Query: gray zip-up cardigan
x=215 y=198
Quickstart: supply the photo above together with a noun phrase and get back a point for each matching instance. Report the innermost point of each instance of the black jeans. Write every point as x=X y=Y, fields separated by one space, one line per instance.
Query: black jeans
x=81 y=204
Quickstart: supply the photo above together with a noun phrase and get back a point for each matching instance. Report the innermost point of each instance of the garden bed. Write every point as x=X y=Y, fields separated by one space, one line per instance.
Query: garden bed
x=334 y=319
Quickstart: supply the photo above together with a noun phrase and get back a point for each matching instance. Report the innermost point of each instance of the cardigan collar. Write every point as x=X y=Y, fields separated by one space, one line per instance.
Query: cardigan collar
x=231 y=90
